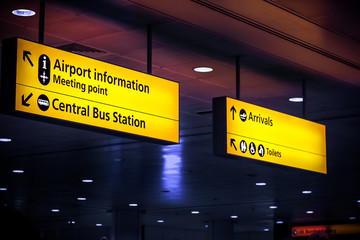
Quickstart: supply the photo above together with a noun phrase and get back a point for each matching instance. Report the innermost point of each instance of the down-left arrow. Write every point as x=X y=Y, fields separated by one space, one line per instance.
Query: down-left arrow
x=24 y=100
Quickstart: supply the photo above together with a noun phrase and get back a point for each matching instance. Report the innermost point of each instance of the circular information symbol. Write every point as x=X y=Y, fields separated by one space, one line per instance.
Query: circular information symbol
x=43 y=102
x=243 y=146
x=261 y=150
x=252 y=148
x=243 y=115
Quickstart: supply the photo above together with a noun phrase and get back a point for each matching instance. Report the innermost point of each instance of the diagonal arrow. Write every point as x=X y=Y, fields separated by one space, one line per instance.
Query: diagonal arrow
x=24 y=100
x=233 y=110
x=26 y=55
x=232 y=143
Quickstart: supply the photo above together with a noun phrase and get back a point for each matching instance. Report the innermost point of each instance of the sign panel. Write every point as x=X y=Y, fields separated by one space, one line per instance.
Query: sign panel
x=335 y=229
x=61 y=85
x=246 y=130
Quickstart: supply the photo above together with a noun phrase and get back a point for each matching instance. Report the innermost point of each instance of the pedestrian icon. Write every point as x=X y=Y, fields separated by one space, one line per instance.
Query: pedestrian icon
x=44 y=69
x=43 y=102
x=243 y=146
x=252 y=148
x=261 y=150
x=243 y=115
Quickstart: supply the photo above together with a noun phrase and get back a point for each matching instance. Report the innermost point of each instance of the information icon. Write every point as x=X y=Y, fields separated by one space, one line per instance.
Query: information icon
x=44 y=69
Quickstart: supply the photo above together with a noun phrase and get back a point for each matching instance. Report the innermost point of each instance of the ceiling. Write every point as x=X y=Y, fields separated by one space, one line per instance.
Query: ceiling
x=281 y=44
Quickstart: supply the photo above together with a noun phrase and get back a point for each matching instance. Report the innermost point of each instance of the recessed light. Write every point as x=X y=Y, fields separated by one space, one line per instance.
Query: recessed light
x=160 y=221
x=260 y=184
x=358 y=201
x=234 y=217
x=266 y=229
x=279 y=222
x=18 y=171
x=81 y=198
x=5 y=139
x=71 y=222
x=55 y=210
x=306 y=192
x=296 y=99
x=98 y=224
x=23 y=12
x=87 y=180
x=352 y=218
x=3 y=188
x=133 y=204
x=273 y=207
x=206 y=226
x=309 y=212
x=195 y=212
x=203 y=69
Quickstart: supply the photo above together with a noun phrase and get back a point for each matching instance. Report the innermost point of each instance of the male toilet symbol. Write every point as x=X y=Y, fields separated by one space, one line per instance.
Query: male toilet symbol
x=243 y=146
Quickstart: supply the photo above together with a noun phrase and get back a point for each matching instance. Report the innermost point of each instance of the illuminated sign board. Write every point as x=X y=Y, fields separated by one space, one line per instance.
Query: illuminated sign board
x=246 y=130
x=335 y=229
x=64 y=86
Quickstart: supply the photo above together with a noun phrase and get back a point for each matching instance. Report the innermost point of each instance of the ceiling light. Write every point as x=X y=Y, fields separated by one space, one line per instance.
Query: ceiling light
x=279 y=222
x=3 y=188
x=81 y=198
x=310 y=212
x=5 y=140
x=18 y=171
x=55 y=210
x=160 y=221
x=273 y=207
x=266 y=229
x=99 y=224
x=234 y=217
x=358 y=201
x=195 y=212
x=203 y=69
x=260 y=184
x=296 y=99
x=133 y=204
x=87 y=180
x=352 y=218
x=23 y=12
x=206 y=226
x=71 y=222
x=306 y=192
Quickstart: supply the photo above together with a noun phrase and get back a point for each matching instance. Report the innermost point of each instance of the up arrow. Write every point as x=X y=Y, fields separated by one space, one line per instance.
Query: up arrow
x=233 y=110
x=232 y=143
x=26 y=55
x=24 y=100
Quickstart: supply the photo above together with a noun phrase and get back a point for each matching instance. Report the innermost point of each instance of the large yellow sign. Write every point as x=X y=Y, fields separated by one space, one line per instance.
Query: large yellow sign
x=62 y=85
x=246 y=130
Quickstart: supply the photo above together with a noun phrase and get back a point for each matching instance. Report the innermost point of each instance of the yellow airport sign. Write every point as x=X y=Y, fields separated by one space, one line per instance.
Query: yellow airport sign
x=246 y=130
x=66 y=86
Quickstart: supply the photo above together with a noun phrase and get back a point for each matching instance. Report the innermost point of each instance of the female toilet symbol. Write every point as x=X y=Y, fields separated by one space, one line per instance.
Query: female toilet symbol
x=44 y=69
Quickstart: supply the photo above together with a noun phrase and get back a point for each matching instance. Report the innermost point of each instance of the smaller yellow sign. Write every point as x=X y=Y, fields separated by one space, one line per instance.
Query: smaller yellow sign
x=246 y=130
